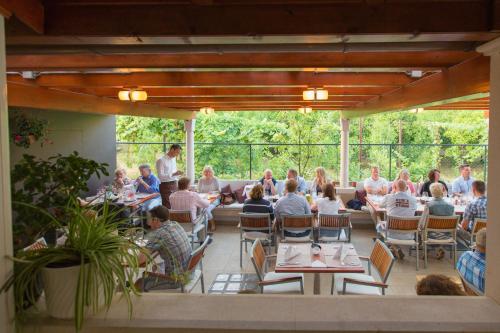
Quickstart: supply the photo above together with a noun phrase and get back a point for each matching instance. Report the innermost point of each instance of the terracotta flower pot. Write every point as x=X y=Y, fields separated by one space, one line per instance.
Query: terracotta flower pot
x=31 y=139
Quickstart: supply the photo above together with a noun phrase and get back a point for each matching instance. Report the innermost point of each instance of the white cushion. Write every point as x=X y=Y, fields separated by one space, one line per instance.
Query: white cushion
x=282 y=288
x=356 y=289
x=396 y=241
x=253 y=235
x=303 y=239
x=440 y=241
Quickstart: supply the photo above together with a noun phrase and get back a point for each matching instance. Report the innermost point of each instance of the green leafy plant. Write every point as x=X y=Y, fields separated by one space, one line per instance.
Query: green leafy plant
x=47 y=184
x=25 y=131
x=107 y=262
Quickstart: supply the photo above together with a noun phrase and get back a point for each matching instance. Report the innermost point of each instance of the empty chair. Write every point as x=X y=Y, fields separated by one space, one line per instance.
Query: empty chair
x=381 y=259
x=297 y=224
x=334 y=223
x=193 y=274
x=402 y=231
x=193 y=228
x=271 y=282
x=442 y=231
x=255 y=226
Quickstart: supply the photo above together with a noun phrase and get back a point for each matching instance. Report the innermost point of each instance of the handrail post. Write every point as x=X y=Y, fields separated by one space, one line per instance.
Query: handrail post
x=250 y=155
x=390 y=161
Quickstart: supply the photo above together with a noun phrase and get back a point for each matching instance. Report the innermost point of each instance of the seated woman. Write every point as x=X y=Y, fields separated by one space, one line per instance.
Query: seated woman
x=120 y=180
x=208 y=182
x=257 y=203
x=434 y=176
x=329 y=205
x=404 y=175
x=319 y=180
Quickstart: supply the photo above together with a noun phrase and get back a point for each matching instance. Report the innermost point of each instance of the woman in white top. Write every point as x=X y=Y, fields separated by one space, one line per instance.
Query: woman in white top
x=319 y=180
x=208 y=183
x=328 y=205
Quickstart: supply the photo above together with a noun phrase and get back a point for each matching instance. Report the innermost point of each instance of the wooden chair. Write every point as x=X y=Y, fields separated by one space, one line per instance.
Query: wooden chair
x=255 y=226
x=271 y=282
x=297 y=223
x=381 y=259
x=338 y=222
x=478 y=225
x=194 y=271
x=193 y=228
x=444 y=225
x=407 y=227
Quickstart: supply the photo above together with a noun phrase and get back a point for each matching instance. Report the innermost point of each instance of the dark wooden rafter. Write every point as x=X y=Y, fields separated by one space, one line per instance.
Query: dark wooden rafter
x=30 y=12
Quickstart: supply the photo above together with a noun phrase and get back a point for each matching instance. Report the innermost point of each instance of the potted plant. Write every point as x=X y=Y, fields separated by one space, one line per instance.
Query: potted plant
x=25 y=131
x=81 y=276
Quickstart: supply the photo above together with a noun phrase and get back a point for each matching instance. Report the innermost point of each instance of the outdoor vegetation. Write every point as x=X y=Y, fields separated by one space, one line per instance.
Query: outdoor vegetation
x=243 y=144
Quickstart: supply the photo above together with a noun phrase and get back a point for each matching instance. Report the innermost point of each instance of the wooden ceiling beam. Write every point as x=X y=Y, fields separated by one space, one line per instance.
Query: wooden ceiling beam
x=397 y=60
x=229 y=99
x=221 y=79
x=30 y=96
x=29 y=12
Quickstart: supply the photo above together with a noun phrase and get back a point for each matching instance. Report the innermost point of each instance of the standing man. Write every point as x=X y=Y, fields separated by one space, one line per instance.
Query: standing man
x=463 y=184
x=166 y=167
x=375 y=184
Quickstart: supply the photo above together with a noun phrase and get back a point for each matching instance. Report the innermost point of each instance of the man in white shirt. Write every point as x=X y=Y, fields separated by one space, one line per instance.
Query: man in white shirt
x=375 y=184
x=184 y=199
x=463 y=184
x=166 y=168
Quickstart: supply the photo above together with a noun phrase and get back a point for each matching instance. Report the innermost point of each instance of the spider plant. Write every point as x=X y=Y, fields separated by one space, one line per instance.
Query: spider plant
x=107 y=262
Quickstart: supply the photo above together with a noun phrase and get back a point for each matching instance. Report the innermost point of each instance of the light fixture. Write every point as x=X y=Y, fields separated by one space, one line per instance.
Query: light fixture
x=207 y=110
x=305 y=109
x=132 y=95
x=312 y=94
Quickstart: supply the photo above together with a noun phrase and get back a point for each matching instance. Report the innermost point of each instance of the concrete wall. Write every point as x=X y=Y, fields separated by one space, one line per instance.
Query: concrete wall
x=92 y=136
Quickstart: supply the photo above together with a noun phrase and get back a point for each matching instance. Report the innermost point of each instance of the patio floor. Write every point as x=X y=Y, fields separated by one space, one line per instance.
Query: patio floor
x=222 y=256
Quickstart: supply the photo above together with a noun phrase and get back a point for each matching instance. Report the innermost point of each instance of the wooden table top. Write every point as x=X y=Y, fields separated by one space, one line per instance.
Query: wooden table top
x=303 y=262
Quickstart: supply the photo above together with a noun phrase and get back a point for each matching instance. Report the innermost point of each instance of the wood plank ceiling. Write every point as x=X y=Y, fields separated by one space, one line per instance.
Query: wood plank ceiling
x=235 y=55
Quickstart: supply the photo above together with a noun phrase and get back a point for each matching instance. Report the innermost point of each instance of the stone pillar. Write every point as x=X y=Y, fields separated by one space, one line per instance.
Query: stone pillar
x=6 y=300
x=344 y=153
x=189 y=128
x=492 y=49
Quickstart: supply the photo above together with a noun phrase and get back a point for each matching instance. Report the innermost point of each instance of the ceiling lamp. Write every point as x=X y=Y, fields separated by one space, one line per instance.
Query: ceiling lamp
x=132 y=95
x=207 y=110
x=305 y=109
x=312 y=94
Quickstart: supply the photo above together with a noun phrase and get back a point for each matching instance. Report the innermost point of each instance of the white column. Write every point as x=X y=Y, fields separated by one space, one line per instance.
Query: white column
x=492 y=49
x=344 y=153
x=6 y=300
x=189 y=128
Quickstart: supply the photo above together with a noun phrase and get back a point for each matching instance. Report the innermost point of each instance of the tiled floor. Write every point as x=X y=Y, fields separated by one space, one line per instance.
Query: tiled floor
x=222 y=256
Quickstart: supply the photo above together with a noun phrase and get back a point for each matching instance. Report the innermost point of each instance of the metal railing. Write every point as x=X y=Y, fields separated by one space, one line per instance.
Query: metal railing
x=248 y=160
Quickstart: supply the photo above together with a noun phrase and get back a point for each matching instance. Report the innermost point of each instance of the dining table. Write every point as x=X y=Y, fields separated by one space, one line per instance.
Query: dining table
x=300 y=258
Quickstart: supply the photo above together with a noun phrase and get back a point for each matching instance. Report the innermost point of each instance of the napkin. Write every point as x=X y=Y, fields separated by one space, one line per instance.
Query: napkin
x=318 y=263
x=343 y=252
x=290 y=253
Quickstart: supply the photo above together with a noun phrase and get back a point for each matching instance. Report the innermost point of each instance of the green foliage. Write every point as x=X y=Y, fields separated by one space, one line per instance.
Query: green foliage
x=281 y=140
x=47 y=184
x=25 y=131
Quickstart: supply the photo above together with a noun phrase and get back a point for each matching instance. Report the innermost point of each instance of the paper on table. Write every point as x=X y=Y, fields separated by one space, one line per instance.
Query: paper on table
x=350 y=261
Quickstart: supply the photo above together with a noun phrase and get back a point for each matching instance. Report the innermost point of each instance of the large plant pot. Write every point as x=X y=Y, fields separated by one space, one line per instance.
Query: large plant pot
x=60 y=286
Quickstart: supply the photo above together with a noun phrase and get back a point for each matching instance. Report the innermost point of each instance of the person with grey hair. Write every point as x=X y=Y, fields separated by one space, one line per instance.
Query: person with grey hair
x=148 y=183
x=472 y=264
x=268 y=182
x=208 y=182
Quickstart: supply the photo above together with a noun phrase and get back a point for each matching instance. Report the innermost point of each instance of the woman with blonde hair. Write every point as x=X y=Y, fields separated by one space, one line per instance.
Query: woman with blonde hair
x=208 y=182
x=404 y=174
x=319 y=180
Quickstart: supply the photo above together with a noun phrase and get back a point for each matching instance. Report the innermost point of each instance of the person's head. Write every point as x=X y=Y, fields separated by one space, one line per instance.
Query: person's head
x=292 y=174
x=257 y=192
x=401 y=186
x=375 y=172
x=436 y=190
x=268 y=174
x=159 y=214
x=145 y=170
x=174 y=150
x=120 y=173
x=438 y=285
x=434 y=175
x=404 y=175
x=478 y=188
x=328 y=191
x=183 y=183
x=481 y=241
x=208 y=172
x=465 y=170
x=320 y=173
x=291 y=185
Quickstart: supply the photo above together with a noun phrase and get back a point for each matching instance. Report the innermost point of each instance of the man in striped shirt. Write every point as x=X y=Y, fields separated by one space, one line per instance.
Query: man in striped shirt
x=184 y=199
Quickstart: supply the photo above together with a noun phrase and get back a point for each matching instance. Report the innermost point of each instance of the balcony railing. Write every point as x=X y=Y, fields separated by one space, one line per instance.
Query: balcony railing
x=249 y=160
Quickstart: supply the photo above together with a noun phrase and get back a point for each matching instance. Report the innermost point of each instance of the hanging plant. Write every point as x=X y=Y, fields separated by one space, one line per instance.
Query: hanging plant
x=26 y=131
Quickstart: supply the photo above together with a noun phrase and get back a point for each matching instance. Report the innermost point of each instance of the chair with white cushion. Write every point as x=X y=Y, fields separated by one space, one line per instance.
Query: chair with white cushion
x=403 y=231
x=381 y=259
x=337 y=222
x=193 y=228
x=297 y=223
x=442 y=225
x=255 y=226
x=272 y=282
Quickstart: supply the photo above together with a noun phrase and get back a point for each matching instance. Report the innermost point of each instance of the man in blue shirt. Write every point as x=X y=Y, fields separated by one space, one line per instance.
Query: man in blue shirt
x=472 y=264
x=148 y=183
x=301 y=183
x=463 y=184
x=292 y=204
